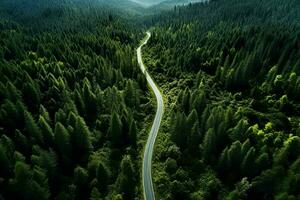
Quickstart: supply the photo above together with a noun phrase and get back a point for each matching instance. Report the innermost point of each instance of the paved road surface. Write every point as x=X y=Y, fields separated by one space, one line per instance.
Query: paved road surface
x=147 y=160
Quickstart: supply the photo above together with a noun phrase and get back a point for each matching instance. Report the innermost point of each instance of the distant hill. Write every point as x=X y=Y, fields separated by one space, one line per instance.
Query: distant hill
x=122 y=4
x=167 y=4
x=30 y=8
x=164 y=3
x=148 y=3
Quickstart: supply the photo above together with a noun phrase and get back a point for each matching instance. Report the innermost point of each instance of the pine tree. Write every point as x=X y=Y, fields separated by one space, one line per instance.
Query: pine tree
x=186 y=100
x=61 y=116
x=9 y=115
x=47 y=160
x=62 y=140
x=81 y=181
x=31 y=96
x=5 y=163
x=95 y=194
x=209 y=146
x=8 y=144
x=13 y=94
x=130 y=96
x=90 y=103
x=262 y=162
x=79 y=102
x=223 y=165
x=126 y=179
x=81 y=138
x=240 y=131
x=44 y=113
x=245 y=148
x=133 y=134
x=289 y=152
x=235 y=157
x=200 y=102
x=46 y=131
x=248 y=163
x=194 y=138
x=39 y=187
x=192 y=119
x=22 y=143
x=32 y=129
x=115 y=130
x=103 y=177
x=29 y=184
x=178 y=130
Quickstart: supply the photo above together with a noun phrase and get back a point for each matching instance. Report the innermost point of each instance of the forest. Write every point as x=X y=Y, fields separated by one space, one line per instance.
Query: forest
x=230 y=73
x=72 y=99
x=76 y=110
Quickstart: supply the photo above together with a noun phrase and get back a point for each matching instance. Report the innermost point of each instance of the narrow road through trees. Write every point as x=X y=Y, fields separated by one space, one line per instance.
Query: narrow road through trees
x=147 y=160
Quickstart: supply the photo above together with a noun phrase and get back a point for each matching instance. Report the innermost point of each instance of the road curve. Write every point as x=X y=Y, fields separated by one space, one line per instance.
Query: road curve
x=147 y=160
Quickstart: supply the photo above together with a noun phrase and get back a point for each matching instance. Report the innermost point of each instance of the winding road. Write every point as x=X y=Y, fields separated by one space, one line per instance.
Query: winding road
x=147 y=160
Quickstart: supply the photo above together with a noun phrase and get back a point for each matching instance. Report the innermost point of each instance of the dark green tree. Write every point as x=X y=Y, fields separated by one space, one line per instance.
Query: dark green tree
x=115 y=130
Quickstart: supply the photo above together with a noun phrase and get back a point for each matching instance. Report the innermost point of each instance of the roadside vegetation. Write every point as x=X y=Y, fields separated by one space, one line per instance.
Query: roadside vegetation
x=74 y=106
x=230 y=74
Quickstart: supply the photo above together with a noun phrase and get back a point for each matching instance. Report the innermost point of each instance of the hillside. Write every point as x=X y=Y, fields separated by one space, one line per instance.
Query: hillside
x=71 y=101
x=230 y=73
x=170 y=4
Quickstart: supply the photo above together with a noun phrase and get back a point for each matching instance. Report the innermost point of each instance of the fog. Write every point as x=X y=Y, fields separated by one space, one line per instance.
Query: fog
x=148 y=2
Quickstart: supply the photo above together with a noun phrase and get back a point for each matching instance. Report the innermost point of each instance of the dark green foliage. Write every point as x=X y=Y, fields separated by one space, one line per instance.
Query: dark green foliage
x=72 y=101
x=32 y=129
x=46 y=131
x=209 y=146
x=230 y=72
x=179 y=130
x=81 y=141
x=133 y=133
x=126 y=179
x=115 y=130
x=65 y=66
x=103 y=176
x=29 y=183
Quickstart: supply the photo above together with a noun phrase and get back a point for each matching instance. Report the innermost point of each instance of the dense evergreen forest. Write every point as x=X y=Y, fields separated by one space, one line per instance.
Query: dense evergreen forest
x=75 y=109
x=73 y=105
x=230 y=72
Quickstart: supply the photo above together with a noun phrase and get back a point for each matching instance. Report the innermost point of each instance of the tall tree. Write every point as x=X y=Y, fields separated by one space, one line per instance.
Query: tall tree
x=115 y=130
x=81 y=139
x=126 y=179
x=32 y=129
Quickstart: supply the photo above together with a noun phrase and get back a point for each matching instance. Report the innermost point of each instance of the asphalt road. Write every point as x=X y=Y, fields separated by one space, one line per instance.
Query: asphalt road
x=147 y=160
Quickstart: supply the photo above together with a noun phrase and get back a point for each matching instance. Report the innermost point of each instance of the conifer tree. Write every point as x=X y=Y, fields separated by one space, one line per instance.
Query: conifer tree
x=47 y=132
x=103 y=177
x=178 y=130
x=90 y=103
x=223 y=165
x=126 y=180
x=5 y=164
x=193 y=139
x=209 y=146
x=45 y=114
x=62 y=140
x=32 y=128
x=31 y=96
x=133 y=133
x=115 y=130
x=81 y=139
x=81 y=181
x=248 y=163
